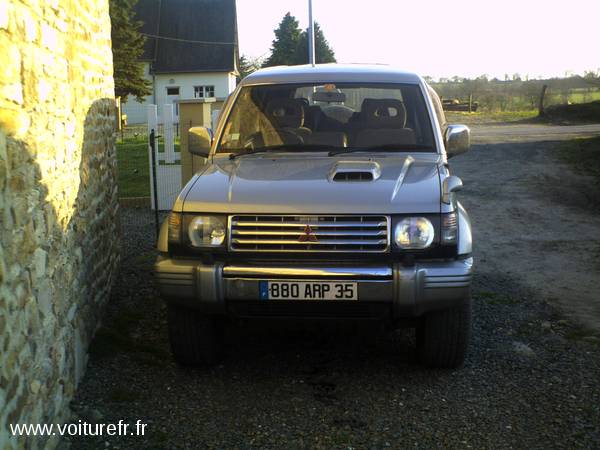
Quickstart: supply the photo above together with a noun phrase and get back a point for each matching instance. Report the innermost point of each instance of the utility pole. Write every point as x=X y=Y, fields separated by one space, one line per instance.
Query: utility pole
x=311 y=35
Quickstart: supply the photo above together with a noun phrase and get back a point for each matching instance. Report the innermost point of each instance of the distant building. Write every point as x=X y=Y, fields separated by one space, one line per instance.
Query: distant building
x=194 y=56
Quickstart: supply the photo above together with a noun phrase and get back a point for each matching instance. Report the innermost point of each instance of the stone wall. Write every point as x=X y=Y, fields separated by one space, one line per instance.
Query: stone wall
x=59 y=235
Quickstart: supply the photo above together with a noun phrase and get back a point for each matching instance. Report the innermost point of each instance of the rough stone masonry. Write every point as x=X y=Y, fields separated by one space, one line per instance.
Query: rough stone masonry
x=58 y=202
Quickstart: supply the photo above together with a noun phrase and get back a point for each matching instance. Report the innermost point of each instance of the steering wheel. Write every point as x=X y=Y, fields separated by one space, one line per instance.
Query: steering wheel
x=252 y=141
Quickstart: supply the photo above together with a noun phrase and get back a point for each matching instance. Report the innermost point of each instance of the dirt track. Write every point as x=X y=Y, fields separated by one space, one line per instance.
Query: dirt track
x=502 y=133
x=534 y=219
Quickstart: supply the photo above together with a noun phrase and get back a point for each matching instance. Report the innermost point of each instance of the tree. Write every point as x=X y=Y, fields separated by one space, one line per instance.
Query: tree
x=249 y=65
x=283 y=49
x=592 y=77
x=127 y=48
x=323 y=52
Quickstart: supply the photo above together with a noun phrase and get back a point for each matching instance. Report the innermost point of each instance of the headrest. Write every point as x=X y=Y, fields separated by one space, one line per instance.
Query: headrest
x=383 y=113
x=285 y=113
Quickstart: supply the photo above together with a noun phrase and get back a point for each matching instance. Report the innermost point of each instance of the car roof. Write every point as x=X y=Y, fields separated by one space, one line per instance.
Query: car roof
x=330 y=73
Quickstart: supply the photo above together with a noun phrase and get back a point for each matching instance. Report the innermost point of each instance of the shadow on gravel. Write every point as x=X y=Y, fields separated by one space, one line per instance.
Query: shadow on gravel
x=326 y=386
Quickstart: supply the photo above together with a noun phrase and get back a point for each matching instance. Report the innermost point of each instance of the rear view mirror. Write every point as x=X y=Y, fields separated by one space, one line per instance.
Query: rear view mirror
x=329 y=97
x=450 y=185
x=199 y=141
x=458 y=140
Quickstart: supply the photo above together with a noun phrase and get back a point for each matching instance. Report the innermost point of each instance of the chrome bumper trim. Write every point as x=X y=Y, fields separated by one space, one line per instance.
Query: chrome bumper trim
x=377 y=272
x=412 y=290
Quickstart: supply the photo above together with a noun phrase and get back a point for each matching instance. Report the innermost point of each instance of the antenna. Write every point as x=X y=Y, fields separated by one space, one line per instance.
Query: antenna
x=311 y=35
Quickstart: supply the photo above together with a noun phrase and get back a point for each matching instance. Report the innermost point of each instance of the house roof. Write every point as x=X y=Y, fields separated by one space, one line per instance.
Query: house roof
x=213 y=22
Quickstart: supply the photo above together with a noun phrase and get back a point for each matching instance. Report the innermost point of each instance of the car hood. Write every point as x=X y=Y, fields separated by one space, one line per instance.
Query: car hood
x=290 y=184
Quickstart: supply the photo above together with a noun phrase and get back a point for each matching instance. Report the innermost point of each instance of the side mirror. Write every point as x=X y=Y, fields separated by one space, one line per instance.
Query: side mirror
x=199 y=141
x=449 y=185
x=458 y=140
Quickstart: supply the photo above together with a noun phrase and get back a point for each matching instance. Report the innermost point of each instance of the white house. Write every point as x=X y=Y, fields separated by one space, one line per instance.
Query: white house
x=191 y=51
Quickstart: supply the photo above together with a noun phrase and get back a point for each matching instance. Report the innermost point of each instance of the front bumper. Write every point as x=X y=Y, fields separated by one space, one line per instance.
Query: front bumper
x=406 y=291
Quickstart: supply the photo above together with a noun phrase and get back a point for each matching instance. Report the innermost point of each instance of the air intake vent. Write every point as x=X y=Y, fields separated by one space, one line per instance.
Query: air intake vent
x=354 y=171
x=353 y=176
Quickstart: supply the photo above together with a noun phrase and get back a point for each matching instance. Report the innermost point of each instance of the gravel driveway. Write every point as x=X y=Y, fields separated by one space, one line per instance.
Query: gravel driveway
x=531 y=379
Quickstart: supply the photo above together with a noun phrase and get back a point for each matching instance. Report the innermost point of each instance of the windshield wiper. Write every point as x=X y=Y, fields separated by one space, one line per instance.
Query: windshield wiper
x=292 y=147
x=382 y=148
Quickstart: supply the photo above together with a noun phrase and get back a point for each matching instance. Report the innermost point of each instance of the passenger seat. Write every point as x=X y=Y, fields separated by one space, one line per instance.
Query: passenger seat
x=382 y=122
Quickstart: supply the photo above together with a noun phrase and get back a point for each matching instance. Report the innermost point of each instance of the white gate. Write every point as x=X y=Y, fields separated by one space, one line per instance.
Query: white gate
x=168 y=161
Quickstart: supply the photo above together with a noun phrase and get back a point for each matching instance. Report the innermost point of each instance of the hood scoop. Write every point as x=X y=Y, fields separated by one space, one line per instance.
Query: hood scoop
x=354 y=171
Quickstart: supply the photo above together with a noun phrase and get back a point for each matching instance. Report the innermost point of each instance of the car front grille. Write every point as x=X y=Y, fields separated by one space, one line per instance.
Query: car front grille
x=346 y=233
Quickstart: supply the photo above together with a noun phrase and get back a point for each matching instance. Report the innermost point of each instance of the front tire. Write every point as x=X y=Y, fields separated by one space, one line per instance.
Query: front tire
x=443 y=337
x=195 y=338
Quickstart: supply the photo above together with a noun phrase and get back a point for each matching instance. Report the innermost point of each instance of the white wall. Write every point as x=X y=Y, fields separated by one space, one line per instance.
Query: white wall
x=136 y=111
x=223 y=82
x=186 y=83
x=232 y=83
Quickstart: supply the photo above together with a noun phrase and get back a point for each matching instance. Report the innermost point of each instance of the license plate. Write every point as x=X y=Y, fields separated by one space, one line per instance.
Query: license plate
x=308 y=290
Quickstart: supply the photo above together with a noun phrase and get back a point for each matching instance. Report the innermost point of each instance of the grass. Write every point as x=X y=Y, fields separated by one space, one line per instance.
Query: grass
x=578 y=96
x=134 y=166
x=485 y=117
x=494 y=298
x=576 y=113
x=134 y=171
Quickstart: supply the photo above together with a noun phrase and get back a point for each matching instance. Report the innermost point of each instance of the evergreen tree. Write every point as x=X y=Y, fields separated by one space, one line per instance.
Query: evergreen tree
x=323 y=52
x=248 y=65
x=127 y=48
x=283 y=49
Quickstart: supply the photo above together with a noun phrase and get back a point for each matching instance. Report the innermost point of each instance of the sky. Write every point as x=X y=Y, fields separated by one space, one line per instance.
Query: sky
x=442 y=38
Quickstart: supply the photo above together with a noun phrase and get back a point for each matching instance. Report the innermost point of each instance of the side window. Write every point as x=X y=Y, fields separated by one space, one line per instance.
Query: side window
x=437 y=106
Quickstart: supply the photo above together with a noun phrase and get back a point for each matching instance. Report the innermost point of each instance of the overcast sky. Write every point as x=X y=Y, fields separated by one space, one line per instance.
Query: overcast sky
x=442 y=38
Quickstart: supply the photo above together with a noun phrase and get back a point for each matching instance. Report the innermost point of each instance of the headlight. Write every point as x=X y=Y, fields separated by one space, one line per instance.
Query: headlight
x=414 y=233
x=206 y=231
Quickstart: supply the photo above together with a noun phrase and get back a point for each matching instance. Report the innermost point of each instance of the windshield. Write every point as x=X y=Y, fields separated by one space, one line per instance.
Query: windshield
x=328 y=117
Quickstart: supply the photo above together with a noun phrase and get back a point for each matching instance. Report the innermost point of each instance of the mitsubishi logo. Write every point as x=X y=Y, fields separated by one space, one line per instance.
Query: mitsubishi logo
x=308 y=236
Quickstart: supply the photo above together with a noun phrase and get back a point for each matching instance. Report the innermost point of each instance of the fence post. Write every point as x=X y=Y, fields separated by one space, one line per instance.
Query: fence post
x=168 y=138
x=153 y=150
x=152 y=125
x=541 y=111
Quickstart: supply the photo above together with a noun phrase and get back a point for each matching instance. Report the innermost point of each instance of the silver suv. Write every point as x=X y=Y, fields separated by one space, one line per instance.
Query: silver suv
x=326 y=194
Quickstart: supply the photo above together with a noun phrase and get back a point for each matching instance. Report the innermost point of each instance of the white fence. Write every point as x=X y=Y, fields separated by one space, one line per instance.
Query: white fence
x=168 y=161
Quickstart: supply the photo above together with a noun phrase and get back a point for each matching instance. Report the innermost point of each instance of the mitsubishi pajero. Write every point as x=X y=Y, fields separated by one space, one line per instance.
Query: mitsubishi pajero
x=325 y=194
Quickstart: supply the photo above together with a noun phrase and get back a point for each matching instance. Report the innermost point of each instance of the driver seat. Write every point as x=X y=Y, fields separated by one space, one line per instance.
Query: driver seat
x=287 y=115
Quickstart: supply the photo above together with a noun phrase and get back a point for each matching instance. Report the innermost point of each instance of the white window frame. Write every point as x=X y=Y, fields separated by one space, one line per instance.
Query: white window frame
x=203 y=90
x=172 y=87
x=169 y=96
